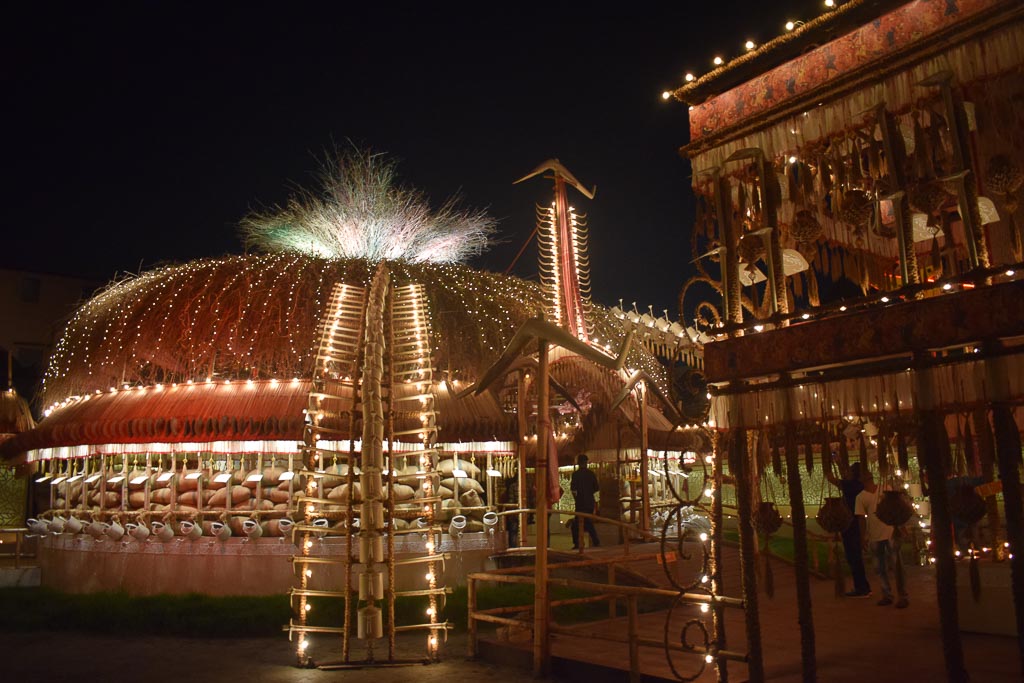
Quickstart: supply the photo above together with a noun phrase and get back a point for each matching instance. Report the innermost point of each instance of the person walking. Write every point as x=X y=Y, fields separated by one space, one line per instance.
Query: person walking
x=584 y=487
x=851 y=486
x=879 y=537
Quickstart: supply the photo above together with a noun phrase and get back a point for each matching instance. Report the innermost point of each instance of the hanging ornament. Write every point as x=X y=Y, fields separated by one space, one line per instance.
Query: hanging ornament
x=902 y=455
x=776 y=459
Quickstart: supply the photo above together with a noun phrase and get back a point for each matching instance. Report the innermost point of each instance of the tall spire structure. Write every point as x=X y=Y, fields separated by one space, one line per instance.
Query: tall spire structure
x=562 y=247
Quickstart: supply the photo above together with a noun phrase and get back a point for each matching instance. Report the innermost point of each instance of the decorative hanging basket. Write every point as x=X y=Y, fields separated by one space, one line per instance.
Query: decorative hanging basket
x=834 y=515
x=805 y=227
x=929 y=196
x=751 y=248
x=1003 y=175
x=966 y=504
x=895 y=508
x=857 y=208
x=767 y=519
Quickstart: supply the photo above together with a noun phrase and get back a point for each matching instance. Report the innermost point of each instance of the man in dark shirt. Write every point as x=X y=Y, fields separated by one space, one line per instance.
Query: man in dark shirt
x=850 y=486
x=584 y=488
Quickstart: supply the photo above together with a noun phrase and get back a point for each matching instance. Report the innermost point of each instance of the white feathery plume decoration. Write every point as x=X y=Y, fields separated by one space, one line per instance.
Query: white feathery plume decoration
x=360 y=211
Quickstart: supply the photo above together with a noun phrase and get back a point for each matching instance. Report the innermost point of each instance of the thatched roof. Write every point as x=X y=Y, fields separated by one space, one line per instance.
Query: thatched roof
x=253 y=321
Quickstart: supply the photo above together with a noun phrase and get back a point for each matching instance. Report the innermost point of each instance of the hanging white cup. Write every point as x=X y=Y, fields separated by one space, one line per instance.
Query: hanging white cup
x=163 y=532
x=140 y=532
x=115 y=531
x=190 y=530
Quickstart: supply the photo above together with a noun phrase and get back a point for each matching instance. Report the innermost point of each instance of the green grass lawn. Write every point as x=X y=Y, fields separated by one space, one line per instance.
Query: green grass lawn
x=32 y=609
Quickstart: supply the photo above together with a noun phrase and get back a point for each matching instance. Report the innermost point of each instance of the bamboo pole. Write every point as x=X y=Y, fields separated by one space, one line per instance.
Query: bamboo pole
x=634 y=645
x=1008 y=456
x=541 y=645
x=471 y=608
x=521 y=386
x=800 y=566
x=933 y=451
x=717 y=586
x=748 y=550
x=645 y=496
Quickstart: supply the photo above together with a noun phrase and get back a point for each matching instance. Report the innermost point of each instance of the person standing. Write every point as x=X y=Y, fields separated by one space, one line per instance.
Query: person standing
x=584 y=486
x=880 y=538
x=851 y=486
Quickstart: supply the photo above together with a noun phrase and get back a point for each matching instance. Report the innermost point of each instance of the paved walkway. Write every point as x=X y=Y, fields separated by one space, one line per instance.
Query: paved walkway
x=856 y=640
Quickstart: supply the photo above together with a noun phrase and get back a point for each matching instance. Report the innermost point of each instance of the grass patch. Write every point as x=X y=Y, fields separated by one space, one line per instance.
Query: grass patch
x=34 y=609
x=782 y=549
x=203 y=616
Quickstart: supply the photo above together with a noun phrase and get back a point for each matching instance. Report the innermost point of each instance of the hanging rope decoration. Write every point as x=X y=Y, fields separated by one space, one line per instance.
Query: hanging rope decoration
x=767 y=520
x=844 y=453
x=883 y=453
x=776 y=459
x=902 y=453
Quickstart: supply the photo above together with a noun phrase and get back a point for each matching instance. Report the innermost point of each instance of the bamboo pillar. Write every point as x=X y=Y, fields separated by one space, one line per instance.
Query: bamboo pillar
x=541 y=645
x=728 y=258
x=645 y=495
x=1008 y=457
x=717 y=586
x=521 y=386
x=932 y=452
x=748 y=548
x=805 y=616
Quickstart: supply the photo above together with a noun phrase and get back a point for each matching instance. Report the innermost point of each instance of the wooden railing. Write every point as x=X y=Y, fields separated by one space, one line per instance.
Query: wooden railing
x=600 y=592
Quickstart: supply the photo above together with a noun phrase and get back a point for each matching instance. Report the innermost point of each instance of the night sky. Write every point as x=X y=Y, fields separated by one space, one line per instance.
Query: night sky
x=141 y=133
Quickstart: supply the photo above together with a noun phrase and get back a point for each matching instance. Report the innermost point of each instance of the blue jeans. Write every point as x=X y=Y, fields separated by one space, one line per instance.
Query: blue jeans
x=887 y=555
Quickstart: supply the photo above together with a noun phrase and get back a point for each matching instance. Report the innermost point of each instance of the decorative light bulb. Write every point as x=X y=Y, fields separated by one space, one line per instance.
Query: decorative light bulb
x=749 y=45
x=665 y=95
x=718 y=61
x=790 y=26
x=689 y=77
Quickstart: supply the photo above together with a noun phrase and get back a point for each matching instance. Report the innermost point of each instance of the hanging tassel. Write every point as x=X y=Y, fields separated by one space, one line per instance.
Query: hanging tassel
x=763 y=451
x=936 y=256
x=883 y=454
x=986 y=445
x=812 y=288
x=863 y=451
x=970 y=452
x=776 y=459
x=844 y=454
x=975 y=577
x=826 y=449
x=922 y=160
x=809 y=456
x=902 y=455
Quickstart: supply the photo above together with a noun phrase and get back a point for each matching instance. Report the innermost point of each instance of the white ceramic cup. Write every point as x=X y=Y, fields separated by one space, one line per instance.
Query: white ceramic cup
x=221 y=531
x=115 y=531
x=252 y=528
x=56 y=524
x=190 y=530
x=73 y=525
x=163 y=532
x=97 y=529
x=140 y=532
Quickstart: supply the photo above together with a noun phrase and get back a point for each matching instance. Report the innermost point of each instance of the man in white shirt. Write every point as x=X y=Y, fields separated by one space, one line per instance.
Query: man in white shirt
x=879 y=537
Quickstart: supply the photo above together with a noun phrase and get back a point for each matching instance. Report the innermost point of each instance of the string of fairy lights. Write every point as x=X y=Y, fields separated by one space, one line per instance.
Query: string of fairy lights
x=411 y=325
x=749 y=46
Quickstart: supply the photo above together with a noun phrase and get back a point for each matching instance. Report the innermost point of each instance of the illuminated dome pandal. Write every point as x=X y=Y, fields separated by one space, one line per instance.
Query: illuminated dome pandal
x=224 y=399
